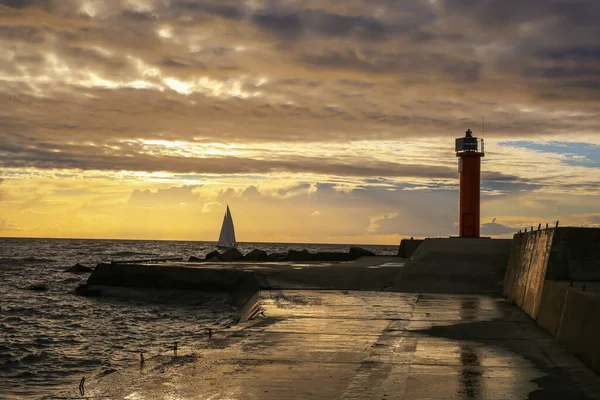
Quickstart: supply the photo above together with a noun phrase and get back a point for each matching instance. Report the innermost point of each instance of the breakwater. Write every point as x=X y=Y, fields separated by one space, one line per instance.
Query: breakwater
x=554 y=276
x=374 y=327
x=433 y=325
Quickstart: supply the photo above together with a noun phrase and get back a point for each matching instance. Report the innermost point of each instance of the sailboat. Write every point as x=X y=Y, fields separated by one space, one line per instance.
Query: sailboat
x=227 y=236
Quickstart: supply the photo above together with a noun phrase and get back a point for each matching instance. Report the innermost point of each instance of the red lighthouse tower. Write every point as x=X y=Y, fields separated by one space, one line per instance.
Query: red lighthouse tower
x=469 y=149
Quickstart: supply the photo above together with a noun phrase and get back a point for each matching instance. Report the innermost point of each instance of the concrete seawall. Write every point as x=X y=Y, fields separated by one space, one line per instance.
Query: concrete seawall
x=573 y=317
x=575 y=255
x=456 y=265
x=365 y=273
x=408 y=247
x=554 y=276
x=526 y=271
x=244 y=280
x=549 y=254
x=167 y=276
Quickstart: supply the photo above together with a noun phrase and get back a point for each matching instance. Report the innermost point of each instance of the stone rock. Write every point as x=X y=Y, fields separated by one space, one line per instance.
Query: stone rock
x=39 y=287
x=213 y=259
x=79 y=269
x=276 y=256
x=195 y=259
x=210 y=256
x=231 y=255
x=360 y=252
x=295 y=255
x=256 y=255
x=87 y=291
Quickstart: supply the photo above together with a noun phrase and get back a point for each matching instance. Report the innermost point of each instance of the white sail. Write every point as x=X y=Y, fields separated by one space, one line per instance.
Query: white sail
x=227 y=236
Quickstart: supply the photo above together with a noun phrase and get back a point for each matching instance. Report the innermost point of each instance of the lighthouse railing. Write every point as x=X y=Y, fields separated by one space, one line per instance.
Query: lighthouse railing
x=469 y=144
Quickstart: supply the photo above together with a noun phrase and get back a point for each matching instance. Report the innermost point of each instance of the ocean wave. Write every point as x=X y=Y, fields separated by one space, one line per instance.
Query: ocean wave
x=26 y=375
x=4 y=328
x=35 y=259
x=11 y=261
x=44 y=341
x=130 y=253
x=35 y=357
x=9 y=364
x=27 y=311
x=61 y=337
x=32 y=358
x=13 y=319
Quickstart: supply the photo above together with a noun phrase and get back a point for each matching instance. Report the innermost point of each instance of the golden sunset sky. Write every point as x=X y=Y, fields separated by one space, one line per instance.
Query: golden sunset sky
x=315 y=120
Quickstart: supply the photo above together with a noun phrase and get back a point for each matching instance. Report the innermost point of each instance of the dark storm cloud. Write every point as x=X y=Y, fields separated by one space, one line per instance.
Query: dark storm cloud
x=374 y=62
x=333 y=71
x=23 y=151
x=559 y=33
x=47 y=155
x=214 y=8
x=17 y=3
x=562 y=72
x=290 y=22
x=137 y=15
x=285 y=25
x=24 y=33
x=500 y=13
x=572 y=53
x=293 y=24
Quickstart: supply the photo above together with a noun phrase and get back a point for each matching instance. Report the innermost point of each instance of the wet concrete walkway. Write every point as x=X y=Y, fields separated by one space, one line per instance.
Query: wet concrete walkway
x=318 y=344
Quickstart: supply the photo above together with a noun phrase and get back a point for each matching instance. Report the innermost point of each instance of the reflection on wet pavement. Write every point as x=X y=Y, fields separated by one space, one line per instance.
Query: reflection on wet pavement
x=469 y=378
x=370 y=345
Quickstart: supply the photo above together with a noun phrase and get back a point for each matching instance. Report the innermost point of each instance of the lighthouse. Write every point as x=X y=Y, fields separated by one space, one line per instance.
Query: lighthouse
x=469 y=150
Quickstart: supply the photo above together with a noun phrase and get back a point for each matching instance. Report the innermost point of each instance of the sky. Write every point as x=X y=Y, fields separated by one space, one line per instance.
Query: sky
x=327 y=121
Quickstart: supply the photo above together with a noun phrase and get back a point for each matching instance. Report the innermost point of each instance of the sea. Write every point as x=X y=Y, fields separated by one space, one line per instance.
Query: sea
x=50 y=338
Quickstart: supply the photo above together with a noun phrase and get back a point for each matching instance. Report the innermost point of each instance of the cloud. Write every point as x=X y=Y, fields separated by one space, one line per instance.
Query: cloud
x=19 y=3
x=115 y=54
x=373 y=62
x=374 y=224
x=493 y=228
x=128 y=158
x=294 y=190
x=353 y=102
x=170 y=196
x=248 y=193
x=6 y=225
x=211 y=206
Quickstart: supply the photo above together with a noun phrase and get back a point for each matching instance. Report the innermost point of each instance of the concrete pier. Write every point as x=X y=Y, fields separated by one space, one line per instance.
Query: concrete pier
x=433 y=326
x=367 y=345
x=554 y=276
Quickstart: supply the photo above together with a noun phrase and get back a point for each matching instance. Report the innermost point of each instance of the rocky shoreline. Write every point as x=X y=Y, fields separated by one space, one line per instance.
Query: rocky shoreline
x=257 y=255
